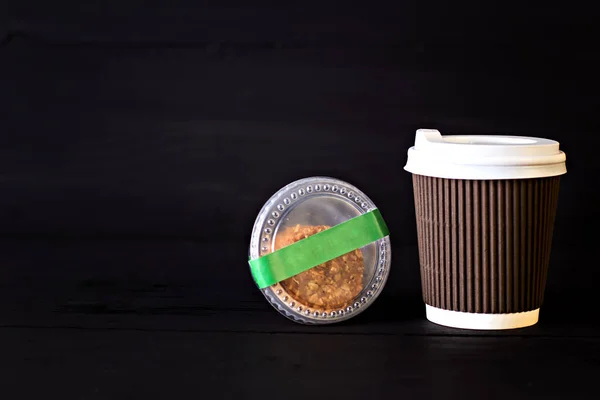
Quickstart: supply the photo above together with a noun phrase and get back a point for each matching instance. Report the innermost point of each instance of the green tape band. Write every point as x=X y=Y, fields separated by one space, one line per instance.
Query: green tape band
x=318 y=248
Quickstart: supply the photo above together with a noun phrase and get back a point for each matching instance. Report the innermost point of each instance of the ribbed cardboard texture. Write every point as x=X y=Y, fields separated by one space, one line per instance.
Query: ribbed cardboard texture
x=484 y=246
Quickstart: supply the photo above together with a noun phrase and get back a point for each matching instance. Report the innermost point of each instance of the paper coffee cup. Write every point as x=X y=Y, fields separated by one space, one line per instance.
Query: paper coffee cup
x=485 y=208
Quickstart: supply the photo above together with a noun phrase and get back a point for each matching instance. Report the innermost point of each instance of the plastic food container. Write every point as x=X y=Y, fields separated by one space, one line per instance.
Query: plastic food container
x=320 y=251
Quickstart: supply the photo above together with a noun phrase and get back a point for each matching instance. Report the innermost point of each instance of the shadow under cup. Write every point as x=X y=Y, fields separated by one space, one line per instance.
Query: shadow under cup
x=484 y=240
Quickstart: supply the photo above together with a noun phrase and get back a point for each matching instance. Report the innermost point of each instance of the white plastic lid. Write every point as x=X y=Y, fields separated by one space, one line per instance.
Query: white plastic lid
x=484 y=157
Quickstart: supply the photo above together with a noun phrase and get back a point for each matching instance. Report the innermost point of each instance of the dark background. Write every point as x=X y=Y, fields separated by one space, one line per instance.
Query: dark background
x=137 y=144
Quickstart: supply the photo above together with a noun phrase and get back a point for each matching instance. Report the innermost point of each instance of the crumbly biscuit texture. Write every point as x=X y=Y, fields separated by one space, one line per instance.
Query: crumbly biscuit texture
x=331 y=285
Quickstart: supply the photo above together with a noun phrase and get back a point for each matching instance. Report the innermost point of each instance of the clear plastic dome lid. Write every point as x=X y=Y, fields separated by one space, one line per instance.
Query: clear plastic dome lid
x=320 y=251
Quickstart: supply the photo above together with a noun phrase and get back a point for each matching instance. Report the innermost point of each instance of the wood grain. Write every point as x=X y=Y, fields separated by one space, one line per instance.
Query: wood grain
x=117 y=365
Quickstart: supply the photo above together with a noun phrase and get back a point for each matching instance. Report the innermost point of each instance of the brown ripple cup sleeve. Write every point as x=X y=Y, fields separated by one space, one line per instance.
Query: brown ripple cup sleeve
x=484 y=239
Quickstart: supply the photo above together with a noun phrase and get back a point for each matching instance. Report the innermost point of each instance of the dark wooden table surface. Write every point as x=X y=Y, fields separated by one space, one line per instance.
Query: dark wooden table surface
x=137 y=145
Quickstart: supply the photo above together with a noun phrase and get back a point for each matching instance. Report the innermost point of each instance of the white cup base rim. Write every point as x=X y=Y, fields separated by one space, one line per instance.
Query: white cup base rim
x=464 y=320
